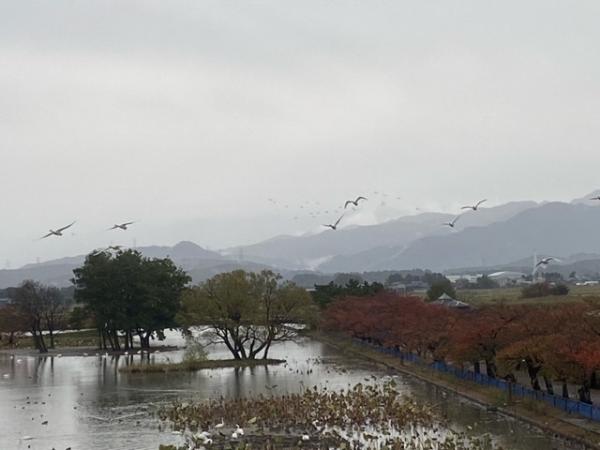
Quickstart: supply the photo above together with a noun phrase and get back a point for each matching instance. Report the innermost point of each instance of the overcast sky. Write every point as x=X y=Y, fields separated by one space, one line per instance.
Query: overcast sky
x=189 y=115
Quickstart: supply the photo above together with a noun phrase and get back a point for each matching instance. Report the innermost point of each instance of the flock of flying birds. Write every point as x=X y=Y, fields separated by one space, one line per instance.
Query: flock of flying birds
x=355 y=202
x=117 y=226
x=333 y=226
x=451 y=224
x=60 y=231
x=474 y=207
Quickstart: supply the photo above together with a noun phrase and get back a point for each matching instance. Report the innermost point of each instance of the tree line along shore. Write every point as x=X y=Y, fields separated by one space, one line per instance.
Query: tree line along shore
x=125 y=299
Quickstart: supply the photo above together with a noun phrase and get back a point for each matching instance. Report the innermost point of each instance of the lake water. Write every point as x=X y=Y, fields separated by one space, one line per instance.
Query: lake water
x=89 y=405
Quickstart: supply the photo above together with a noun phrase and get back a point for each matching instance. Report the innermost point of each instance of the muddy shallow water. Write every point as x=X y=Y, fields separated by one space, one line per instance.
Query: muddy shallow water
x=89 y=405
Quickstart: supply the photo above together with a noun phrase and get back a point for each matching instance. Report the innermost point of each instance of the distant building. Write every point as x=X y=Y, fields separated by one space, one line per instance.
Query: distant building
x=508 y=278
x=4 y=302
x=398 y=288
x=449 y=302
x=467 y=277
x=405 y=288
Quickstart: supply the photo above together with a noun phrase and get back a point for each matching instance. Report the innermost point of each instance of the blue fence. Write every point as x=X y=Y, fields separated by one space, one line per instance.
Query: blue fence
x=518 y=390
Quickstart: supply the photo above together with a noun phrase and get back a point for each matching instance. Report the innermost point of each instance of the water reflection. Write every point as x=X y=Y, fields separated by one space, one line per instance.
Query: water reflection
x=89 y=404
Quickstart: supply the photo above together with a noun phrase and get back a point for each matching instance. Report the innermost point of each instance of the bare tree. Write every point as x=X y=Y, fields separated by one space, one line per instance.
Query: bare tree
x=54 y=310
x=29 y=302
x=12 y=323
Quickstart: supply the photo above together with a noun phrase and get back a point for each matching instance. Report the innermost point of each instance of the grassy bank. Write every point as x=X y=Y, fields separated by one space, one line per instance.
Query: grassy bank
x=85 y=338
x=190 y=366
x=512 y=295
x=551 y=420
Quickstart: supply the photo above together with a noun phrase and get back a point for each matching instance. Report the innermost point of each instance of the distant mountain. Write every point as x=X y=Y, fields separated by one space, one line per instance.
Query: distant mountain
x=52 y=274
x=358 y=248
x=184 y=250
x=496 y=238
x=586 y=199
x=204 y=272
x=67 y=261
x=549 y=229
x=60 y=271
x=185 y=254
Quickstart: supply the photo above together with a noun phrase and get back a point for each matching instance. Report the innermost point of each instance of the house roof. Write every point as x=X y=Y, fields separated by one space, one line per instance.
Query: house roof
x=446 y=300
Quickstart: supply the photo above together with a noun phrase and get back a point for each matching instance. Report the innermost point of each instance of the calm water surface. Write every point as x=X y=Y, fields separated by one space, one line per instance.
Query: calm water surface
x=89 y=405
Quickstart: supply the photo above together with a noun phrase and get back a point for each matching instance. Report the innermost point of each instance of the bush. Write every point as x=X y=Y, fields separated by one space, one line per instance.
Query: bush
x=439 y=287
x=543 y=290
x=194 y=350
x=536 y=290
x=560 y=289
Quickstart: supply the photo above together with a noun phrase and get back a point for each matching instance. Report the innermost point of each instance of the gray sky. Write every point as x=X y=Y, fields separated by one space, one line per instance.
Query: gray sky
x=189 y=115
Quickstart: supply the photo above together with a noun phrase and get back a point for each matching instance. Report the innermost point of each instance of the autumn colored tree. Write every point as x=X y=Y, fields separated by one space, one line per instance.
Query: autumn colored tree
x=526 y=346
x=479 y=336
x=557 y=343
x=407 y=323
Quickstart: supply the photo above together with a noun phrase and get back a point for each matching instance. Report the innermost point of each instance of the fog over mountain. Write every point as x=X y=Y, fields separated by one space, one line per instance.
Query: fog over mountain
x=550 y=229
x=316 y=251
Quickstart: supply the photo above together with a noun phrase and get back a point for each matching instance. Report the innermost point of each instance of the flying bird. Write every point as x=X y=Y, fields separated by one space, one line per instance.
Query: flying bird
x=354 y=202
x=58 y=232
x=121 y=226
x=110 y=248
x=452 y=223
x=335 y=225
x=476 y=206
x=545 y=261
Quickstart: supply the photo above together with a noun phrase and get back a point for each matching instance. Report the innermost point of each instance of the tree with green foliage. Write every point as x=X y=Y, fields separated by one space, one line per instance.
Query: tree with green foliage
x=247 y=312
x=440 y=285
x=79 y=319
x=543 y=289
x=130 y=295
x=325 y=294
x=485 y=282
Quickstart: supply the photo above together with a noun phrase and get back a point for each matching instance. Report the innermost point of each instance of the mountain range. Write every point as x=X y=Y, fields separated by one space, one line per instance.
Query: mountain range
x=500 y=237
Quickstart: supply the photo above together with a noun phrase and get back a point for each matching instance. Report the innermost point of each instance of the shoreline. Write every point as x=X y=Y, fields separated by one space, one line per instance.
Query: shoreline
x=84 y=351
x=548 y=419
x=193 y=366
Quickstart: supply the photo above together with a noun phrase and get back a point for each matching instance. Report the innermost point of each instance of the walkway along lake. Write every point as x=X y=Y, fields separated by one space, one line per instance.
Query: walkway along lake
x=89 y=405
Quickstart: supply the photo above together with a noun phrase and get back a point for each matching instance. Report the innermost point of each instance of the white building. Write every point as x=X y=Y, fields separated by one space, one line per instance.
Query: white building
x=507 y=278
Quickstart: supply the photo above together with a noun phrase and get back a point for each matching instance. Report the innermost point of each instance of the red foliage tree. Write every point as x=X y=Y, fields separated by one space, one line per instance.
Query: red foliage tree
x=560 y=342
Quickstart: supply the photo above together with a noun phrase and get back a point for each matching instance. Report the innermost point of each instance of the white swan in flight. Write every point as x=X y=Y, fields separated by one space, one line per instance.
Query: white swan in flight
x=335 y=225
x=58 y=232
x=452 y=223
x=121 y=226
x=545 y=261
x=354 y=202
x=476 y=206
